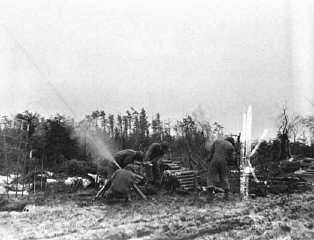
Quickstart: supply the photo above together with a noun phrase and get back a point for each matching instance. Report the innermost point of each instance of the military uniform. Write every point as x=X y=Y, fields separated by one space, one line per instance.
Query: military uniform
x=120 y=184
x=126 y=156
x=220 y=154
x=153 y=155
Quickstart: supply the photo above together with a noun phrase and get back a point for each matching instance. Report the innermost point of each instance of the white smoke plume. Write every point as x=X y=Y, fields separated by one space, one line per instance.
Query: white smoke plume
x=204 y=124
x=96 y=144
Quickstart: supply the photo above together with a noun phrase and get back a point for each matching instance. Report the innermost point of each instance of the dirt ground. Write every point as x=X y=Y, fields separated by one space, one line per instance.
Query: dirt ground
x=165 y=216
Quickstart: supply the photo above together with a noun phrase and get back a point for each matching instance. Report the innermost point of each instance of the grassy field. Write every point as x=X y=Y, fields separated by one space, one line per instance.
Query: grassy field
x=164 y=216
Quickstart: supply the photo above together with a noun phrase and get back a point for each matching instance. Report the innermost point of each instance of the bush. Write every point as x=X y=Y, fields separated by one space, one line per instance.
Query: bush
x=75 y=167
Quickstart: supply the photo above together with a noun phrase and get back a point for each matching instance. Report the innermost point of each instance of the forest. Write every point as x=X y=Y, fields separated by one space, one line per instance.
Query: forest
x=29 y=140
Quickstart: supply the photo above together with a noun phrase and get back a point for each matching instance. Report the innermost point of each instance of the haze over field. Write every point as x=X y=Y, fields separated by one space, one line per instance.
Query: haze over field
x=172 y=57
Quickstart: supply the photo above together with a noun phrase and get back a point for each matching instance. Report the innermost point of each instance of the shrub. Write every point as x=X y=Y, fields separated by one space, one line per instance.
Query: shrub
x=75 y=167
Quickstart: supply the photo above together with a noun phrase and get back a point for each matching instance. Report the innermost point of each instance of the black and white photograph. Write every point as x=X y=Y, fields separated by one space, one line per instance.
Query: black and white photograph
x=156 y=119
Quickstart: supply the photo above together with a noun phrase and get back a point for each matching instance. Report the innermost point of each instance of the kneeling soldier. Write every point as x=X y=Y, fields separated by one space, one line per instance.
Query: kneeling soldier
x=120 y=184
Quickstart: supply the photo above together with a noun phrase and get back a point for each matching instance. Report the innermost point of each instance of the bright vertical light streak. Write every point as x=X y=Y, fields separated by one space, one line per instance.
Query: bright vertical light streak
x=261 y=139
x=243 y=135
x=248 y=130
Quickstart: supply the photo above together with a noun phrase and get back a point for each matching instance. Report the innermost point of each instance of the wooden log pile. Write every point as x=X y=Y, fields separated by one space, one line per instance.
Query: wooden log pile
x=278 y=185
x=176 y=177
x=179 y=179
x=289 y=165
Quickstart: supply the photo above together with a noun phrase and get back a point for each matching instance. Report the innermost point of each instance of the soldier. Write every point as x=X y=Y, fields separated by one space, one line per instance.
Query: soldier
x=155 y=152
x=123 y=158
x=220 y=154
x=128 y=156
x=120 y=184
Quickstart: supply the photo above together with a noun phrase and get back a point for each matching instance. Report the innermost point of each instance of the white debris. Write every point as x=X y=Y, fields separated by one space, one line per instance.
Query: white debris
x=96 y=177
x=300 y=171
x=93 y=176
x=290 y=159
x=49 y=180
x=18 y=187
x=25 y=192
x=13 y=176
x=3 y=179
x=41 y=175
x=3 y=189
x=86 y=182
x=70 y=181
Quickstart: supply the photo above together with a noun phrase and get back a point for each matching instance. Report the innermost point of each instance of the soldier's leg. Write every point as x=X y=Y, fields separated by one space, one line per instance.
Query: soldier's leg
x=156 y=173
x=210 y=184
x=224 y=180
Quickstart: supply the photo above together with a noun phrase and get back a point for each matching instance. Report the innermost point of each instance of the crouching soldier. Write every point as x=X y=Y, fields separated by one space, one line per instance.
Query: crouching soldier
x=123 y=158
x=128 y=156
x=120 y=184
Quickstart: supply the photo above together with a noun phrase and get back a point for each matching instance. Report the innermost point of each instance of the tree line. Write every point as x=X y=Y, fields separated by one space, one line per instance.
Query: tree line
x=27 y=139
x=52 y=141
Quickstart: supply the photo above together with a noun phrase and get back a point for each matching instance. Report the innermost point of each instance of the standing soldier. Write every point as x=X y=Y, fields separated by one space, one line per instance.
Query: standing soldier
x=154 y=154
x=220 y=154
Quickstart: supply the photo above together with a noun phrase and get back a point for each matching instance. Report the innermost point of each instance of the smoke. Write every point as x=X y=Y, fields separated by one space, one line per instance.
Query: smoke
x=97 y=144
x=204 y=125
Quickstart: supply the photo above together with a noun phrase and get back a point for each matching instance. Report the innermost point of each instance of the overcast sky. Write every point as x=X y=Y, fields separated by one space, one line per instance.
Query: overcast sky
x=171 y=57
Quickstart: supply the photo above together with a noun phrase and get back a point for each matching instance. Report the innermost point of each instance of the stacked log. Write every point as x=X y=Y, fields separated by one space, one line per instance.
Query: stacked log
x=289 y=166
x=182 y=179
x=278 y=185
x=307 y=174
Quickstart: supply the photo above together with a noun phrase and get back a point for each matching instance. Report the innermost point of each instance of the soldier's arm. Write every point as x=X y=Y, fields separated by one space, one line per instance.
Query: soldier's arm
x=136 y=178
x=148 y=154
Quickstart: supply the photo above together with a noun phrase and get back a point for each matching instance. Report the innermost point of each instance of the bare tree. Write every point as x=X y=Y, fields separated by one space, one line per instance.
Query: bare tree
x=283 y=132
